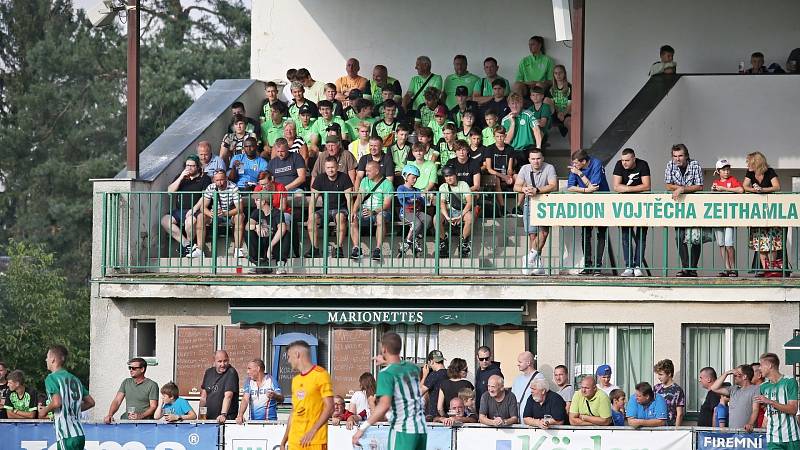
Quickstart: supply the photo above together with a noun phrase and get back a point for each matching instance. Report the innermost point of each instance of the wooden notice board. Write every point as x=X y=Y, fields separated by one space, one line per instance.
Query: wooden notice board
x=351 y=356
x=243 y=345
x=194 y=353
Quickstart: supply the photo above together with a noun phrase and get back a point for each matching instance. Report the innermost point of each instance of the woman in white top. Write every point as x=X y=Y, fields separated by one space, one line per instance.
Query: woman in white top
x=363 y=401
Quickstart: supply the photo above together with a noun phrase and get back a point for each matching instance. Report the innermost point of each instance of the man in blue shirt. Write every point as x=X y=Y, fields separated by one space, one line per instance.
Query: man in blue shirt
x=246 y=167
x=646 y=408
x=587 y=175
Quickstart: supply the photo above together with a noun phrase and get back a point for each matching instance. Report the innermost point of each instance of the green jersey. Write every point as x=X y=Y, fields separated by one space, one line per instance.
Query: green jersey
x=438 y=130
x=272 y=131
x=545 y=112
x=453 y=81
x=523 y=129
x=464 y=135
x=424 y=115
x=67 y=419
x=416 y=84
x=382 y=129
x=427 y=174
x=352 y=126
x=535 y=68
x=305 y=132
x=484 y=87
x=379 y=194
x=320 y=127
x=399 y=155
x=781 y=427
x=446 y=152
x=488 y=136
x=561 y=97
x=401 y=382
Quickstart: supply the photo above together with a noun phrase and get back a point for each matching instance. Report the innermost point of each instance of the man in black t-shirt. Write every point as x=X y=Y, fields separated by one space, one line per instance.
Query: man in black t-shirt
x=707 y=378
x=433 y=373
x=376 y=154
x=220 y=389
x=268 y=243
x=632 y=175
x=185 y=207
x=467 y=170
x=339 y=200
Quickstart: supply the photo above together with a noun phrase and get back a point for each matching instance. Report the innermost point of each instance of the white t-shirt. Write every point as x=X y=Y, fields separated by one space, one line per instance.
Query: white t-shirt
x=359 y=399
x=608 y=389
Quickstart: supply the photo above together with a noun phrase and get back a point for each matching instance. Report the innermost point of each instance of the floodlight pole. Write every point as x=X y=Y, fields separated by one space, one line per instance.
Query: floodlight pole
x=132 y=12
x=578 y=31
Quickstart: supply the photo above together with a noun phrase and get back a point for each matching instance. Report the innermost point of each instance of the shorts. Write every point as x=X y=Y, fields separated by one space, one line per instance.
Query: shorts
x=725 y=236
x=793 y=445
x=407 y=441
x=526 y=218
x=72 y=443
x=179 y=215
x=331 y=213
x=373 y=220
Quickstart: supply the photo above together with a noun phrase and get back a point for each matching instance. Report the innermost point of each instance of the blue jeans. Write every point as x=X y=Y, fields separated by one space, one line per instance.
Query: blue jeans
x=633 y=237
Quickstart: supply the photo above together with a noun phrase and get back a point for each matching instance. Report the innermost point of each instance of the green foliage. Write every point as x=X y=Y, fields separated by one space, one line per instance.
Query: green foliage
x=35 y=298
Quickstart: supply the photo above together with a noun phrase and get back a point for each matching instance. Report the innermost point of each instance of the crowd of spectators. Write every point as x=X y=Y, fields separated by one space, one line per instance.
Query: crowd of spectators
x=360 y=154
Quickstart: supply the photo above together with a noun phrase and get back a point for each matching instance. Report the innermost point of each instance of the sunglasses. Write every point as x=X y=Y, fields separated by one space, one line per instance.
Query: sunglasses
x=134 y=367
x=484 y=359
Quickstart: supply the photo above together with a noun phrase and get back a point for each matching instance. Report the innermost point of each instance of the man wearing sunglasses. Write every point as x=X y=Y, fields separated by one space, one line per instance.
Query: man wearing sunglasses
x=486 y=368
x=139 y=392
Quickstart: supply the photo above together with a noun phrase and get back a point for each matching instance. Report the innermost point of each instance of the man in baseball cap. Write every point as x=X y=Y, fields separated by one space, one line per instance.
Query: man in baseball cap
x=433 y=374
x=603 y=374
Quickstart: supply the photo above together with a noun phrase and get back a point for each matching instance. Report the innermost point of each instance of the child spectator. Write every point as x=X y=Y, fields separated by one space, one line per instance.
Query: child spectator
x=360 y=144
x=467 y=395
x=400 y=150
x=446 y=146
x=666 y=63
x=438 y=122
x=488 y=132
x=363 y=113
x=173 y=408
x=412 y=212
x=498 y=105
x=617 y=398
x=330 y=95
x=673 y=394
x=500 y=162
x=561 y=94
x=467 y=125
x=540 y=110
x=424 y=115
x=726 y=237
x=386 y=127
x=427 y=168
x=721 y=412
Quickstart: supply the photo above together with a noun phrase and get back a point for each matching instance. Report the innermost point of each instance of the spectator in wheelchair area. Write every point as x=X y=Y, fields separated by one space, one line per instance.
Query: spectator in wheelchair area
x=185 y=208
x=412 y=212
x=222 y=200
x=456 y=203
x=268 y=240
x=372 y=206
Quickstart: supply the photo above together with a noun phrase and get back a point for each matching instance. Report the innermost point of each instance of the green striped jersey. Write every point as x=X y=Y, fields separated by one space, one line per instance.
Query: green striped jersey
x=781 y=427
x=401 y=382
x=67 y=419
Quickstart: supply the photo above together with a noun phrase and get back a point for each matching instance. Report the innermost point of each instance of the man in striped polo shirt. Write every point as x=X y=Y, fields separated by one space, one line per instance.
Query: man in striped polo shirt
x=68 y=397
x=779 y=395
x=398 y=390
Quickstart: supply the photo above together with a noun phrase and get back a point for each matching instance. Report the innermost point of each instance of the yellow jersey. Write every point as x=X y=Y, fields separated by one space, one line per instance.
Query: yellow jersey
x=308 y=391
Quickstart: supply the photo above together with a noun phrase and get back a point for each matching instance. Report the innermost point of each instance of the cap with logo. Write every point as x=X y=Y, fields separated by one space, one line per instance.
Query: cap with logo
x=435 y=356
x=603 y=371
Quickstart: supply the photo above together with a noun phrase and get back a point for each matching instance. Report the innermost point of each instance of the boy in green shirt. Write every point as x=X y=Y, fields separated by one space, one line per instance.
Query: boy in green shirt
x=272 y=128
x=386 y=127
x=319 y=131
x=363 y=113
x=779 y=397
x=541 y=111
x=488 y=132
x=437 y=124
x=445 y=146
x=400 y=150
x=427 y=169
x=522 y=129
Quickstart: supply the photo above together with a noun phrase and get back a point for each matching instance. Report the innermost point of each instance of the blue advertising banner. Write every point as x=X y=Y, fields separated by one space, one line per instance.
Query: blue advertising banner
x=711 y=440
x=123 y=436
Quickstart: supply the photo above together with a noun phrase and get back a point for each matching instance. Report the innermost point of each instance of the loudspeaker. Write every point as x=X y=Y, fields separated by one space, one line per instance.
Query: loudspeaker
x=562 y=20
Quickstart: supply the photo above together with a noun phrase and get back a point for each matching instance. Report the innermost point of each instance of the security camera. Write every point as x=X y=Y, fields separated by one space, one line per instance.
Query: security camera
x=103 y=13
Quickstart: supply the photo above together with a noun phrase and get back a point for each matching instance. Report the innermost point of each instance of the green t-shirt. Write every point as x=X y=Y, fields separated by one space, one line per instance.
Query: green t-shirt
x=305 y=132
x=438 y=130
x=460 y=191
x=352 y=126
x=399 y=155
x=67 y=419
x=598 y=406
x=523 y=129
x=484 y=87
x=382 y=129
x=781 y=427
x=453 y=81
x=138 y=395
x=320 y=126
x=427 y=174
x=375 y=90
x=535 y=68
x=25 y=403
x=543 y=111
x=400 y=380
x=271 y=131
x=424 y=115
x=446 y=153
x=416 y=83
x=488 y=136
x=561 y=97
x=375 y=201
x=464 y=136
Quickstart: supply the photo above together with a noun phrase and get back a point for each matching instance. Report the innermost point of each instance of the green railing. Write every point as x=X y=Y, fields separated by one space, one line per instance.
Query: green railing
x=485 y=241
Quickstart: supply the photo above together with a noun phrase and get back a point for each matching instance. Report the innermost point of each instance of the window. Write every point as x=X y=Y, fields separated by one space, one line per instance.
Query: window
x=719 y=347
x=418 y=340
x=628 y=349
x=318 y=331
x=143 y=338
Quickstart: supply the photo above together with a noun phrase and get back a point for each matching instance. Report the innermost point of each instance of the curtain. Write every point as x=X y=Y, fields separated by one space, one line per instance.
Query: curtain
x=590 y=345
x=634 y=357
x=705 y=346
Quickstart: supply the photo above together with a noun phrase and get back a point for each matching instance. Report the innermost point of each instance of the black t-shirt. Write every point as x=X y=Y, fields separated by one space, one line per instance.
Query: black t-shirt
x=451 y=388
x=500 y=108
x=216 y=385
x=704 y=419
x=4 y=391
x=434 y=382
x=480 y=154
x=195 y=186
x=285 y=170
x=465 y=171
x=386 y=163
x=766 y=182
x=500 y=158
x=632 y=176
x=341 y=183
x=270 y=220
x=553 y=406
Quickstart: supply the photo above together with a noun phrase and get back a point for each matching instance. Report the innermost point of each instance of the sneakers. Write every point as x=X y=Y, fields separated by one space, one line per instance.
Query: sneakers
x=444 y=247
x=186 y=250
x=637 y=272
x=404 y=247
x=240 y=253
x=418 y=250
x=376 y=254
x=587 y=271
x=281 y=268
x=466 y=249
x=529 y=262
x=195 y=253
x=338 y=252
x=313 y=252
x=627 y=273
x=356 y=253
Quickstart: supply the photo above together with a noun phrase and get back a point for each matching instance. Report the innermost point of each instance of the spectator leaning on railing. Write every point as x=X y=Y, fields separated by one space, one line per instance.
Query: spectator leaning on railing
x=684 y=175
x=632 y=174
x=139 y=392
x=590 y=406
x=588 y=175
x=535 y=178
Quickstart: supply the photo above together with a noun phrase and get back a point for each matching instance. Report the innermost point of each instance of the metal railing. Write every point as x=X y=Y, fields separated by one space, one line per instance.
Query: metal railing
x=432 y=237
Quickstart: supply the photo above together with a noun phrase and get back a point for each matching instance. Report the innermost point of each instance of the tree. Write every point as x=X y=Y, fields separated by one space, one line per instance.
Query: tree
x=38 y=309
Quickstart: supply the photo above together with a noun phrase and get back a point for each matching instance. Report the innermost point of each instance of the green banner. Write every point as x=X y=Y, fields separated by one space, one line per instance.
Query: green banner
x=333 y=316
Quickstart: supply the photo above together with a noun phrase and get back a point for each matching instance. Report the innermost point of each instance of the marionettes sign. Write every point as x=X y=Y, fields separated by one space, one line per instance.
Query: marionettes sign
x=691 y=210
